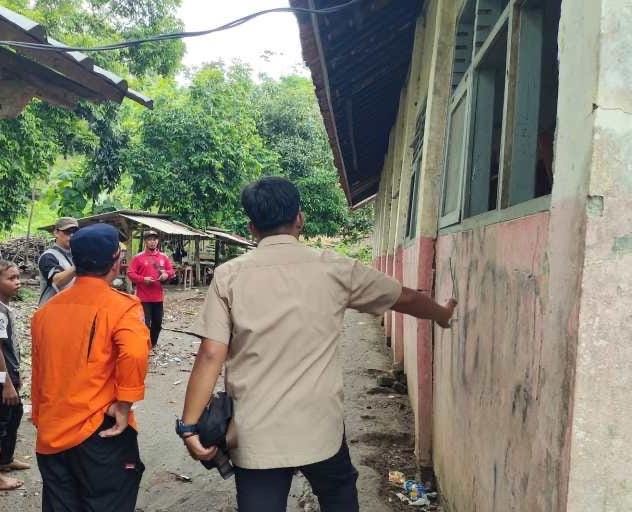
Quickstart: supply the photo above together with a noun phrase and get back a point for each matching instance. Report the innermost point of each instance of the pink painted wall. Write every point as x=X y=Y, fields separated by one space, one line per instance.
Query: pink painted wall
x=488 y=368
x=418 y=259
x=388 y=317
x=397 y=339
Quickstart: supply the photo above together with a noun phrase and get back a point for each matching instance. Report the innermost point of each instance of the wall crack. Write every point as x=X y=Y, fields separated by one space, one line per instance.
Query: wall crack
x=611 y=109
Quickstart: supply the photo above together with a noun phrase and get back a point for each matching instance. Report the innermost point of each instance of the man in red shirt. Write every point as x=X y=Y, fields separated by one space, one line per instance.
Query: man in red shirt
x=148 y=271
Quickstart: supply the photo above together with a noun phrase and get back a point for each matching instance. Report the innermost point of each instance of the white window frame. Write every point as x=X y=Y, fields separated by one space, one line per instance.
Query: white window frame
x=461 y=95
x=522 y=21
x=412 y=216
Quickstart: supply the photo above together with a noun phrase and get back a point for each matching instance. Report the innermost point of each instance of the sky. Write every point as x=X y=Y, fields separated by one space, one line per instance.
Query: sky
x=276 y=33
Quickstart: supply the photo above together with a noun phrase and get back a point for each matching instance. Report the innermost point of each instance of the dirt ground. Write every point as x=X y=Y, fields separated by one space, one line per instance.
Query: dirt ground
x=379 y=425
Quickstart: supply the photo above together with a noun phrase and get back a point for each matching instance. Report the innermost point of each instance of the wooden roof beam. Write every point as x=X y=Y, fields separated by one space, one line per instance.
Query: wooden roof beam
x=14 y=96
x=44 y=83
x=81 y=71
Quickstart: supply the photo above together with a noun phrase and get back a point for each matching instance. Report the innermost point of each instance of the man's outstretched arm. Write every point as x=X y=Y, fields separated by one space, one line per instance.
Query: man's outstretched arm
x=419 y=305
x=371 y=291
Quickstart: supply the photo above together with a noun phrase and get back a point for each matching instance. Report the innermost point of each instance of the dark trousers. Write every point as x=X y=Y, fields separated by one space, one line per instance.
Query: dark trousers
x=153 y=319
x=10 y=418
x=333 y=482
x=99 y=475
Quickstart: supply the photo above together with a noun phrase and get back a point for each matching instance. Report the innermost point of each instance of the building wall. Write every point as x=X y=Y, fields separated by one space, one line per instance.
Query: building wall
x=488 y=367
x=413 y=258
x=531 y=407
x=600 y=435
x=474 y=388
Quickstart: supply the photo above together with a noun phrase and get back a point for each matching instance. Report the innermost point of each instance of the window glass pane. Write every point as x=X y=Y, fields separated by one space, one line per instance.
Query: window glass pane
x=454 y=158
x=531 y=172
x=411 y=223
x=488 y=124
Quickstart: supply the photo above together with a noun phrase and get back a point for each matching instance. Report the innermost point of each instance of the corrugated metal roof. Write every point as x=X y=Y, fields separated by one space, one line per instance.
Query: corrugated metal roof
x=28 y=30
x=166 y=226
x=159 y=222
x=26 y=24
x=239 y=240
x=359 y=59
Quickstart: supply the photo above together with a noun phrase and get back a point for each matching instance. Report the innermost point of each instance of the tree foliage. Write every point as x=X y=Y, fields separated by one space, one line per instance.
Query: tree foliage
x=27 y=147
x=291 y=125
x=92 y=22
x=199 y=147
x=30 y=143
x=191 y=155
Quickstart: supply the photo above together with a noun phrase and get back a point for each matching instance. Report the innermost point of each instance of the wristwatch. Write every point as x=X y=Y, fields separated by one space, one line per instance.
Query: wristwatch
x=184 y=430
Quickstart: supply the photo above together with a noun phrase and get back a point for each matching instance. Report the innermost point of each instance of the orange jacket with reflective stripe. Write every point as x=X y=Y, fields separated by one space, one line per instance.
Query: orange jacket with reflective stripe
x=90 y=348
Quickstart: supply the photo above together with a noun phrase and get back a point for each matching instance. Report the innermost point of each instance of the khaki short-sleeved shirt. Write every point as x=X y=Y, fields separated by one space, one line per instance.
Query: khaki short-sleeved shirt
x=281 y=309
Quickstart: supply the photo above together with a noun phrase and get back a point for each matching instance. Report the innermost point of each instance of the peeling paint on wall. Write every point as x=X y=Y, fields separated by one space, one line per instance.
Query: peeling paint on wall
x=595 y=206
x=622 y=244
x=489 y=366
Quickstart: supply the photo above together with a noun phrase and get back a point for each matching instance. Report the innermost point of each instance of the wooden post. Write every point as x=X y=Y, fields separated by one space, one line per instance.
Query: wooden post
x=28 y=229
x=217 y=242
x=198 y=277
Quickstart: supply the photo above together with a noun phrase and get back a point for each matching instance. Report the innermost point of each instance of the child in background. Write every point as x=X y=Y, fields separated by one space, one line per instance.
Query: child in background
x=11 y=405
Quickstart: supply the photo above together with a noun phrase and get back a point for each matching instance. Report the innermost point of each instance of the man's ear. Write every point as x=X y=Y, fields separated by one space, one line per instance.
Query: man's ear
x=300 y=221
x=253 y=230
x=115 y=270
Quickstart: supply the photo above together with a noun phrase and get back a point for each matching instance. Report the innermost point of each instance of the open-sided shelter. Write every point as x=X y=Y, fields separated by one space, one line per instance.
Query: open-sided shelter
x=201 y=249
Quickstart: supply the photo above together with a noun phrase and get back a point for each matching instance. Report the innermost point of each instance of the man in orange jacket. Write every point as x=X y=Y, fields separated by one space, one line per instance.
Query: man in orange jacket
x=89 y=361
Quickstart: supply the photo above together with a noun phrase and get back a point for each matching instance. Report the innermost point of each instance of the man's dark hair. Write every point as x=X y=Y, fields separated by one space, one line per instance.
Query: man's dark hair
x=271 y=203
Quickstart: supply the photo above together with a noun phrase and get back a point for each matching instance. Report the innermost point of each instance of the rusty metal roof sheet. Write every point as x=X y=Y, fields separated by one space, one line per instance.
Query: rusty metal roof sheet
x=166 y=226
x=359 y=59
x=158 y=221
x=75 y=66
x=229 y=237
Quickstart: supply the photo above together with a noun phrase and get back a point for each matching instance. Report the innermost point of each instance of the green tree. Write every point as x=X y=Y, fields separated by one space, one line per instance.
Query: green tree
x=290 y=123
x=199 y=147
x=93 y=22
x=97 y=131
x=190 y=156
x=27 y=147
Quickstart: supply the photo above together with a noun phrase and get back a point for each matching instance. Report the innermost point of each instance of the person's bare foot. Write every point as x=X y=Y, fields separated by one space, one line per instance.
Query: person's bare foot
x=10 y=484
x=16 y=465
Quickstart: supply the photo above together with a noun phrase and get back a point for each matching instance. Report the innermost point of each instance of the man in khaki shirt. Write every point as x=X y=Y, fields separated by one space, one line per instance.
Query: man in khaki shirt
x=274 y=316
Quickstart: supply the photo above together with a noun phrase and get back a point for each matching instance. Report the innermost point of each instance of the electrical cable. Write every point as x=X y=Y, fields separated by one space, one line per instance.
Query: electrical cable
x=177 y=35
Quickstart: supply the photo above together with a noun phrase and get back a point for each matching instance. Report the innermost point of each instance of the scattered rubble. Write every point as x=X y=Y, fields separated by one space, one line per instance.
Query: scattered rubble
x=412 y=492
x=388 y=382
x=24 y=251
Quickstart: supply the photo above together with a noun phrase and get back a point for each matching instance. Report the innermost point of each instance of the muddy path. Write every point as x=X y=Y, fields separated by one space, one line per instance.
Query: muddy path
x=379 y=426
